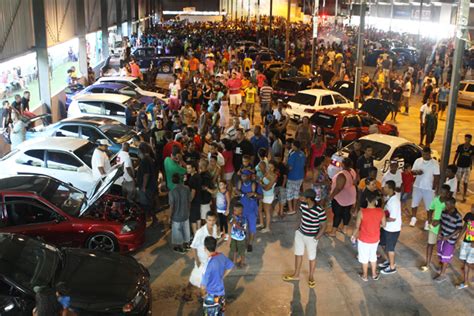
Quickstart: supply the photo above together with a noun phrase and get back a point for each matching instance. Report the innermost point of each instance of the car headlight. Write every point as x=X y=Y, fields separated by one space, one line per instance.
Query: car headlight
x=9 y=307
x=137 y=301
x=128 y=227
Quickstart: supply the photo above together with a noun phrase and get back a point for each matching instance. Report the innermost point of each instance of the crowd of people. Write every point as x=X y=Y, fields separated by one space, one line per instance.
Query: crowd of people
x=230 y=174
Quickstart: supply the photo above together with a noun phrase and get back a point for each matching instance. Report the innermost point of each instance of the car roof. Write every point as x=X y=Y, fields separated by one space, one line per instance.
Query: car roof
x=105 y=84
x=62 y=143
x=393 y=141
x=111 y=97
x=116 y=78
x=318 y=92
x=26 y=183
x=91 y=120
x=468 y=81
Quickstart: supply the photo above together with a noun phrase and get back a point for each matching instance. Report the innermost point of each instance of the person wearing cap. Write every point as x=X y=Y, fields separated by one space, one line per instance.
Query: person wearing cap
x=100 y=160
x=426 y=170
x=311 y=229
x=394 y=174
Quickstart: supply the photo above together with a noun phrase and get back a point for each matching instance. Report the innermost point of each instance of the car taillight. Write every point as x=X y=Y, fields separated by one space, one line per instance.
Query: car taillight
x=309 y=110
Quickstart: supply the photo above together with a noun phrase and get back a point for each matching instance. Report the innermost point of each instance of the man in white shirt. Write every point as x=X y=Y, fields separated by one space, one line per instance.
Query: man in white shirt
x=128 y=184
x=100 y=160
x=425 y=109
x=451 y=179
x=391 y=231
x=406 y=95
x=426 y=170
x=394 y=174
x=244 y=121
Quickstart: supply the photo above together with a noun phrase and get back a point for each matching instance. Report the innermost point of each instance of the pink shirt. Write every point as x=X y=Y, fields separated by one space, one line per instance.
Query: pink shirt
x=347 y=196
x=210 y=65
x=234 y=85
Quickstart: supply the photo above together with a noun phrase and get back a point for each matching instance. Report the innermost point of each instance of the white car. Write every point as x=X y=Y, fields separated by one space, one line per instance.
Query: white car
x=385 y=148
x=135 y=84
x=306 y=102
x=106 y=105
x=64 y=158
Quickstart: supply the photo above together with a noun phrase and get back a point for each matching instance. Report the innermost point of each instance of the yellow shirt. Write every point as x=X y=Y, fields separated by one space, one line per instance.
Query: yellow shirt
x=250 y=94
x=248 y=63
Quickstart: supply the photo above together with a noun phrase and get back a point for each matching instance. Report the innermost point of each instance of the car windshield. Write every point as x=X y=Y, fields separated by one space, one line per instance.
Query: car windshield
x=304 y=99
x=323 y=120
x=380 y=150
x=120 y=133
x=66 y=198
x=26 y=262
x=85 y=153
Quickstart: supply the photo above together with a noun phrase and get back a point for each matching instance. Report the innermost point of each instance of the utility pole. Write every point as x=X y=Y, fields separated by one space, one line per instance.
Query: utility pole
x=419 y=23
x=461 y=37
x=360 y=50
x=287 y=35
x=315 y=36
x=270 y=25
x=391 y=15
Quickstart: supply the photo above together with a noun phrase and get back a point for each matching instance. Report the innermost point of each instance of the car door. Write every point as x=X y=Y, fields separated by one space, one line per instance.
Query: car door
x=67 y=168
x=326 y=101
x=115 y=111
x=67 y=130
x=469 y=95
x=13 y=302
x=462 y=94
x=350 y=129
x=30 y=161
x=29 y=216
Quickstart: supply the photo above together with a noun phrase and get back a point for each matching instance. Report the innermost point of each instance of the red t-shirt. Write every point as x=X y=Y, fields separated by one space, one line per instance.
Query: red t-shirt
x=168 y=149
x=135 y=70
x=260 y=80
x=234 y=85
x=408 y=180
x=228 y=158
x=369 y=231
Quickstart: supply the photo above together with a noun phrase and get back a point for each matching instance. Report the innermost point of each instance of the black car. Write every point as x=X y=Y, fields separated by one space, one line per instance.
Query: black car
x=147 y=55
x=98 y=283
x=286 y=88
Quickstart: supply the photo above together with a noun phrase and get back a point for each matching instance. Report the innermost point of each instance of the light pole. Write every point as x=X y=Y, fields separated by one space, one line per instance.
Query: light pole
x=287 y=35
x=360 y=47
x=270 y=25
x=315 y=35
x=461 y=36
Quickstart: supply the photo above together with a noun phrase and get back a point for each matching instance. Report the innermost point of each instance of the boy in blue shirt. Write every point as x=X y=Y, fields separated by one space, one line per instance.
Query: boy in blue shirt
x=218 y=267
x=237 y=234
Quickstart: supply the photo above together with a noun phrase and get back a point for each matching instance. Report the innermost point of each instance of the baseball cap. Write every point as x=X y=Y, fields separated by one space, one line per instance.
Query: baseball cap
x=103 y=142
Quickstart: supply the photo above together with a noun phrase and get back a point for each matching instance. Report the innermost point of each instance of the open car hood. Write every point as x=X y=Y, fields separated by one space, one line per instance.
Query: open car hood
x=102 y=186
x=378 y=108
x=346 y=88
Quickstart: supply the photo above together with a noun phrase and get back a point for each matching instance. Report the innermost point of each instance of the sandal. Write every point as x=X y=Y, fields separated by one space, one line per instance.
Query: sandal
x=288 y=278
x=312 y=284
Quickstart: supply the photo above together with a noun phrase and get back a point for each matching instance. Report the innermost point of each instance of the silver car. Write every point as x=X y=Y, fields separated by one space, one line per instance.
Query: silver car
x=466 y=93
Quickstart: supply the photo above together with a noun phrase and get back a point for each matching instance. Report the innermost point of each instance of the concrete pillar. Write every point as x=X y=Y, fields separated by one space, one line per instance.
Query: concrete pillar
x=81 y=34
x=129 y=18
x=41 y=48
x=105 y=29
x=118 y=12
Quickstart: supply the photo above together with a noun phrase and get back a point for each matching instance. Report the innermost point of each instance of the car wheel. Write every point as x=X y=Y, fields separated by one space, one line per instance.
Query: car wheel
x=166 y=68
x=102 y=241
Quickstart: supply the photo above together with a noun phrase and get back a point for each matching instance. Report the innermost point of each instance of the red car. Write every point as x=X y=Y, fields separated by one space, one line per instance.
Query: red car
x=44 y=207
x=342 y=125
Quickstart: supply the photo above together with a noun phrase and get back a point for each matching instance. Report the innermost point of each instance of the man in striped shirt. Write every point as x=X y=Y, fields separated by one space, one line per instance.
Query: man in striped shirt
x=311 y=229
x=451 y=225
x=265 y=99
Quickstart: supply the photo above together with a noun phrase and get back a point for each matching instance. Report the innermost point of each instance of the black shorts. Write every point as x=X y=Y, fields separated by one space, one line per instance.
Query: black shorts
x=195 y=213
x=389 y=240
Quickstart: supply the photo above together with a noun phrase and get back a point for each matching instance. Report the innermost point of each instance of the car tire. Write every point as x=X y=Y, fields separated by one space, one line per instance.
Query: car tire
x=102 y=241
x=166 y=68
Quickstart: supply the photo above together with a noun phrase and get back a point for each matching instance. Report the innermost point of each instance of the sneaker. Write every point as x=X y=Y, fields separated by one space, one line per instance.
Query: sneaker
x=427 y=225
x=249 y=248
x=226 y=238
x=413 y=222
x=424 y=268
x=265 y=230
x=461 y=286
x=384 y=264
x=387 y=270
x=260 y=226
x=179 y=250
x=376 y=277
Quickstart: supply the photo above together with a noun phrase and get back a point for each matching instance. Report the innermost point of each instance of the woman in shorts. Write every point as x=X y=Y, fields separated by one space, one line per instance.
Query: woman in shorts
x=268 y=187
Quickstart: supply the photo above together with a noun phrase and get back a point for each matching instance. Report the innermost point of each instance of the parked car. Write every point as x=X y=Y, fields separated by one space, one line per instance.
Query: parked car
x=466 y=93
x=266 y=56
x=343 y=125
x=372 y=56
x=405 y=55
x=112 y=88
x=307 y=102
x=91 y=128
x=286 y=88
x=282 y=71
x=144 y=56
x=385 y=149
x=105 y=105
x=99 y=283
x=65 y=158
x=138 y=86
